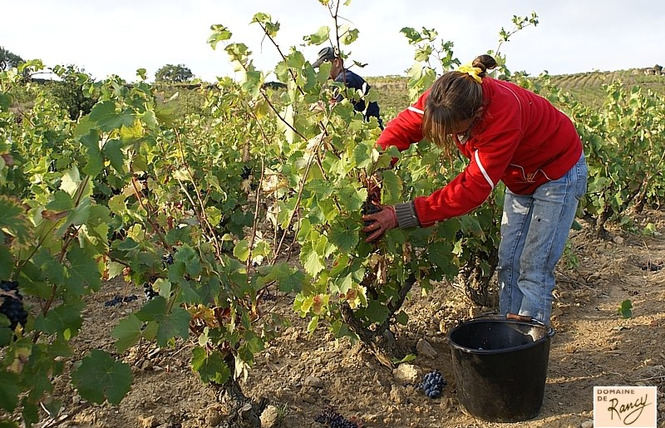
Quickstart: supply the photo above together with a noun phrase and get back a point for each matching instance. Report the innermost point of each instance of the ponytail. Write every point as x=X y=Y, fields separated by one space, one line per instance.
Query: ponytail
x=478 y=68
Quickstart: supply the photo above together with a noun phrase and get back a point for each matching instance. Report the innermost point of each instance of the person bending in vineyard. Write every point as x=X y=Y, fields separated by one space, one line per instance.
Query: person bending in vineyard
x=510 y=134
x=351 y=80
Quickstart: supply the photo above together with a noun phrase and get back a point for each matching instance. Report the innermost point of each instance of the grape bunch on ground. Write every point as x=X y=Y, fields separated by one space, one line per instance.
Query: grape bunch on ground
x=334 y=420
x=433 y=383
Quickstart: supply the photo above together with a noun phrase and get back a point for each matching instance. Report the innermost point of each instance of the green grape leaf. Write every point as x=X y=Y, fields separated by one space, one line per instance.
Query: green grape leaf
x=322 y=35
x=402 y=318
x=187 y=257
x=6 y=262
x=106 y=117
x=61 y=201
x=83 y=270
x=117 y=204
x=352 y=199
x=13 y=220
x=392 y=188
x=343 y=237
x=363 y=155
x=411 y=34
x=296 y=59
x=211 y=368
x=440 y=255
x=153 y=310
x=5 y=333
x=311 y=260
x=176 y=324
x=84 y=127
x=166 y=113
x=127 y=332
x=150 y=118
x=238 y=53
x=343 y=284
x=113 y=151
x=5 y=101
x=626 y=309
x=219 y=34
x=265 y=19
x=9 y=390
x=313 y=324
x=64 y=320
x=214 y=214
x=132 y=132
x=423 y=53
x=350 y=35
x=100 y=377
x=282 y=71
x=241 y=250
x=128 y=244
x=80 y=214
x=289 y=279
x=376 y=311
x=70 y=181
x=94 y=156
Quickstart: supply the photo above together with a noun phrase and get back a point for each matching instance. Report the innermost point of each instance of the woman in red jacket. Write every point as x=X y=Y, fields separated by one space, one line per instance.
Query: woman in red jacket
x=509 y=134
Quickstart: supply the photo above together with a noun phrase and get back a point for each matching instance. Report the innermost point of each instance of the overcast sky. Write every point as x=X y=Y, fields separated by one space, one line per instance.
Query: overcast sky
x=121 y=36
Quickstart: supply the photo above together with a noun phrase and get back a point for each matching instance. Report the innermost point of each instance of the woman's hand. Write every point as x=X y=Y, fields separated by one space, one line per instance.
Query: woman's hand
x=380 y=222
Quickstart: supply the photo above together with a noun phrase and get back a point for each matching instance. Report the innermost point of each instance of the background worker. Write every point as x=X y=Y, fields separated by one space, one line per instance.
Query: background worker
x=351 y=80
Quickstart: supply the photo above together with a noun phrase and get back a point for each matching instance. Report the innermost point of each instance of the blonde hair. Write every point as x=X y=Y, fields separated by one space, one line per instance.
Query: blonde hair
x=456 y=96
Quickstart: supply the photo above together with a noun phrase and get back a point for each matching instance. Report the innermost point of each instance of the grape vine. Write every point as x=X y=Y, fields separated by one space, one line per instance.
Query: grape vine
x=217 y=212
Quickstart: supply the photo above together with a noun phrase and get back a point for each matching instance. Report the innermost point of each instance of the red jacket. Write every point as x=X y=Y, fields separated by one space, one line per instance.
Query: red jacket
x=521 y=139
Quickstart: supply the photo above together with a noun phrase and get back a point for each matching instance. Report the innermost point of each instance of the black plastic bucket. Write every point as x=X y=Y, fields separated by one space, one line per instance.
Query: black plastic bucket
x=500 y=367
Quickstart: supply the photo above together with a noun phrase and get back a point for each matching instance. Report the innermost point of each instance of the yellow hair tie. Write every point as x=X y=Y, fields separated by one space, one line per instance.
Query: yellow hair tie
x=472 y=71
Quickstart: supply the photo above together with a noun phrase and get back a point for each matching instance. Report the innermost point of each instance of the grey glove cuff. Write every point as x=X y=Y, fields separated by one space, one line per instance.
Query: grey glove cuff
x=406 y=215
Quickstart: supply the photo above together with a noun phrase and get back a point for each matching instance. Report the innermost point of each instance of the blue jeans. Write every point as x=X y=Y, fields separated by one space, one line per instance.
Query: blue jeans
x=534 y=230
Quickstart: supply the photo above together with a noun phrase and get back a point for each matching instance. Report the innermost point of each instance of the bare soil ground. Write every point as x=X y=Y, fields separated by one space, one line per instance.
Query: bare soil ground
x=302 y=375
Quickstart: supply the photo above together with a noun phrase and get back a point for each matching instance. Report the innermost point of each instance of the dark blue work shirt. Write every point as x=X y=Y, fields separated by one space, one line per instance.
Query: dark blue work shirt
x=352 y=80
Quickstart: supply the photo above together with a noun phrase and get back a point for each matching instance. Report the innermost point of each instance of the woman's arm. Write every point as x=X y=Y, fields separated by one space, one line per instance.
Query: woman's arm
x=406 y=128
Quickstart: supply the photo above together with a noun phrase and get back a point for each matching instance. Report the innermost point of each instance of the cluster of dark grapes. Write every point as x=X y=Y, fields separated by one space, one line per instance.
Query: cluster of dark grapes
x=150 y=292
x=246 y=172
x=167 y=260
x=335 y=420
x=369 y=208
x=247 y=175
x=652 y=266
x=118 y=300
x=433 y=383
x=142 y=179
x=268 y=296
x=12 y=304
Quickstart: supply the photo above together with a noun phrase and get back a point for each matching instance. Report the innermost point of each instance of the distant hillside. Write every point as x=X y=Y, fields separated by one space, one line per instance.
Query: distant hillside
x=586 y=87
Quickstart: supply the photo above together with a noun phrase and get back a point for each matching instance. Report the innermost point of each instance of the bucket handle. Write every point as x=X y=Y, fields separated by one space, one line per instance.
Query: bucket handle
x=527 y=318
x=521 y=318
x=511 y=316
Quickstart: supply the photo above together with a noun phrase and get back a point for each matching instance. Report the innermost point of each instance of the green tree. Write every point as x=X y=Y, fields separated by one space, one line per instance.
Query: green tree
x=173 y=74
x=8 y=59
x=70 y=91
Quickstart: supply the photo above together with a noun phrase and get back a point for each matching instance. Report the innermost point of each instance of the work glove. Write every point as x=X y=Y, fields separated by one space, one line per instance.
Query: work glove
x=379 y=222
